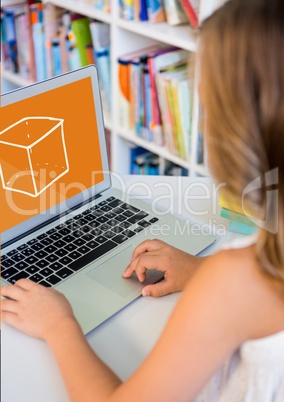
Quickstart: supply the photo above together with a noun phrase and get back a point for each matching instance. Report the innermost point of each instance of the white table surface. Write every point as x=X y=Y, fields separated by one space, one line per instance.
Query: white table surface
x=29 y=372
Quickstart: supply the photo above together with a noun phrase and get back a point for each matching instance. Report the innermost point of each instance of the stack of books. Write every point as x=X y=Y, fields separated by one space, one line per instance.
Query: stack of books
x=155 y=93
x=238 y=221
x=175 y=12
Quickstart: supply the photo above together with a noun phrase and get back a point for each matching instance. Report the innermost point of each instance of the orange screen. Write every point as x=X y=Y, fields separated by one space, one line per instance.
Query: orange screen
x=49 y=151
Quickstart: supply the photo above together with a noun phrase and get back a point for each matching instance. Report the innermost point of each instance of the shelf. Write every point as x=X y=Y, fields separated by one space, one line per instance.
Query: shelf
x=82 y=8
x=181 y=36
x=158 y=150
x=202 y=170
x=15 y=79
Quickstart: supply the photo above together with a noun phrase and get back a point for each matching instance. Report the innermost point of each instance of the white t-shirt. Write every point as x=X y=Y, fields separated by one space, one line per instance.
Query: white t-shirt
x=255 y=372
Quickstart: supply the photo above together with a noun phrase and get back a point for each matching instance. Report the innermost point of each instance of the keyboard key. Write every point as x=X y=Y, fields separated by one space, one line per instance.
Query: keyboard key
x=113 y=222
x=53 y=279
x=130 y=207
x=42 y=236
x=9 y=272
x=143 y=223
x=32 y=241
x=121 y=218
x=125 y=224
x=70 y=247
x=17 y=257
x=83 y=250
x=3 y=257
x=36 y=278
x=137 y=217
x=110 y=199
x=32 y=270
x=79 y=216
x=31 y=260
x=153 y=220
x=97 y=213
x=92 y=255
x=118 y=211
x=102 y=219
x=79 y=242
x=59 y=243
x=37 y=246
x=7 y=263
x=51 y=231
x=109 y=234
x=20 y=275
x=12 y=252
x=88 y=211
x=120 y=238
x=75 y=255
x=69 y=238
x=92 y=244
x=21 y=265
x=104 y=227
x=64 y=231
x=55 y=236
x=128 y=213
x=64 y=273
x=27 y=252
x=52 y=258
x=138 y=229
x=101 y=239
x=46 y=272
x=105 y=208
x=87 y=237
x=115 y=203
x=22 y=247
x=50 y=249
x=61 y=253
x=90 y=218
x=102 y=203
x=41 y=254
x=97 y=232
x=128 y=233
x=47 y=241
x=56 y=266
x=65 y=260
x=117 y=229
x=110 y=215
x=42 y=264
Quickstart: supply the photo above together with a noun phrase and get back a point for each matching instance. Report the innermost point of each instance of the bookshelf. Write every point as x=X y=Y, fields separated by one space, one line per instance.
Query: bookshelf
x=126 y=36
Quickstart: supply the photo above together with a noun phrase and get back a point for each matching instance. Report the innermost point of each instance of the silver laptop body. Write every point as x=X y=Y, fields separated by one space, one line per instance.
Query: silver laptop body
x=54 y=110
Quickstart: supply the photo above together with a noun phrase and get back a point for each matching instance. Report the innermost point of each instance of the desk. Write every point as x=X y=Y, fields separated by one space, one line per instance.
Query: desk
x=29 y=371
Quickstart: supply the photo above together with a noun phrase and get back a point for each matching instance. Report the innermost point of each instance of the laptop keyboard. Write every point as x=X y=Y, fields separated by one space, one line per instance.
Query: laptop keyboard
x=68 y=247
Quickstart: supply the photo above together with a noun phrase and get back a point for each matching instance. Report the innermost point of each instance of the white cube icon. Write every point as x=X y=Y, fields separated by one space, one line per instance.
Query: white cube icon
x=33 y=155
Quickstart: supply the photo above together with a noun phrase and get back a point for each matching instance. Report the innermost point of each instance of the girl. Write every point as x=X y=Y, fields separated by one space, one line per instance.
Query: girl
x=225 y=339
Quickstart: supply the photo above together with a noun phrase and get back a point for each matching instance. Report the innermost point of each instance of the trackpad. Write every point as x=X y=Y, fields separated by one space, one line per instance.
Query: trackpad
x=109 y=274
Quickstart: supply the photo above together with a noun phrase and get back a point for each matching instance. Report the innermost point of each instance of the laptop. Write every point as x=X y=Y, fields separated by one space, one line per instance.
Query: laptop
x=62 y=224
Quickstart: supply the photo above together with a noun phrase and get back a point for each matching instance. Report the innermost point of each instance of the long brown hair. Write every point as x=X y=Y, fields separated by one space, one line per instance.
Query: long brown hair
x=242 y=88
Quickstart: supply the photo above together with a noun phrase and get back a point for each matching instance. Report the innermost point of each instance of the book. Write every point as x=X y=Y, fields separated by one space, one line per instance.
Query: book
x=242 y=228
x=100 y=34
x=36 y=12
x=234 y=216
x=155 y=11
x=174 y=12
x=191 y=9
x=162 y=58
x=81 y=29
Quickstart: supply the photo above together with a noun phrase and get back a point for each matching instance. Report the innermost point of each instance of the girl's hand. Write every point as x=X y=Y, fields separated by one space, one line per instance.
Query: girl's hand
x=34 y=309
x=178 y=266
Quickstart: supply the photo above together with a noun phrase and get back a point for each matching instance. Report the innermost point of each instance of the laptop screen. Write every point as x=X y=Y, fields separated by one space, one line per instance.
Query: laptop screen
x=52 y=150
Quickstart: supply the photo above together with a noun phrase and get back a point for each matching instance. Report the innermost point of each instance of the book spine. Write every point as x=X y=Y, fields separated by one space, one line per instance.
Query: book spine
x=156 y=11
x=81 y=29
x=190 y=12
x=124 y=93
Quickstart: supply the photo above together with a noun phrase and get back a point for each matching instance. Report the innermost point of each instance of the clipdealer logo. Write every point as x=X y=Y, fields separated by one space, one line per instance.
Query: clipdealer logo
x=270 y=182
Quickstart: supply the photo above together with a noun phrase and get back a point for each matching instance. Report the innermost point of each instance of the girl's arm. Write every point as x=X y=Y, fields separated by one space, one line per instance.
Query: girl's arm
x=211 y=319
